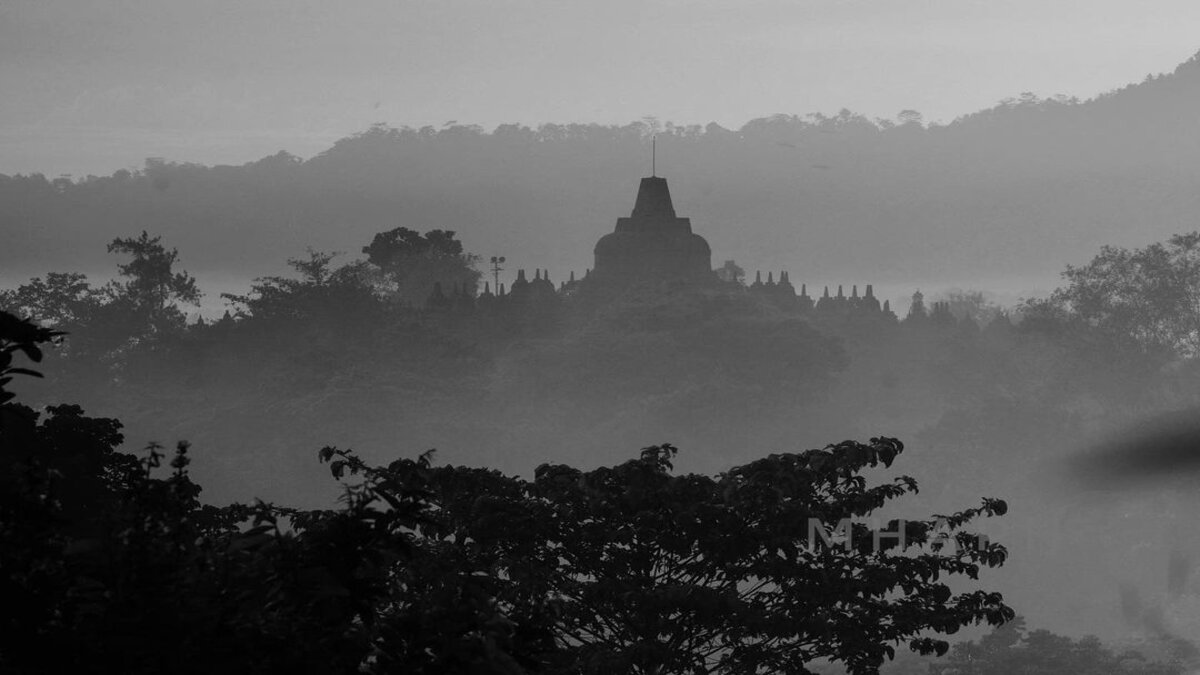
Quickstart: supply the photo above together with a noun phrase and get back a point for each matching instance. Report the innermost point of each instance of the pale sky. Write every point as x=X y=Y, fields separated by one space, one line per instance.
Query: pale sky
x=90 y=86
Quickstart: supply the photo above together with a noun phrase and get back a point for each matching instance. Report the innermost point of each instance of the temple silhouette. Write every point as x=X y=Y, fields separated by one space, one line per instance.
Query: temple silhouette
x=654 y=245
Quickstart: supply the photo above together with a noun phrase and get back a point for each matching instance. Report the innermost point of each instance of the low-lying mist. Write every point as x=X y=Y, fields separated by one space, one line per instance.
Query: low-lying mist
x=1078 y=406
x=986 y=406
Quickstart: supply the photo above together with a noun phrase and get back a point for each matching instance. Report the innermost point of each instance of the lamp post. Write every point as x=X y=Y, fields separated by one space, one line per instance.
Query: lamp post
x=496 y=269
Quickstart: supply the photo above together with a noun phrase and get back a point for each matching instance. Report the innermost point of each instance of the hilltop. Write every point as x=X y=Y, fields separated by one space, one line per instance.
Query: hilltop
x=1014 y=190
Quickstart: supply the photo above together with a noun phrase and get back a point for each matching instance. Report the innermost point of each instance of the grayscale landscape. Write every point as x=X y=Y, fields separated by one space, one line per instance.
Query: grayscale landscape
x=518 y=338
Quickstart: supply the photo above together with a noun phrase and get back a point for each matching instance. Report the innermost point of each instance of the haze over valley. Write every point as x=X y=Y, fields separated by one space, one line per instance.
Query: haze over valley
x=638 y=348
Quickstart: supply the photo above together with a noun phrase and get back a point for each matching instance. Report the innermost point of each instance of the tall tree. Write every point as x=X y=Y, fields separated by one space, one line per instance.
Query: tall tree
x=1150 y=294
x=411 y=263
x=62 y=299
x=320 y=291
x=152 y=286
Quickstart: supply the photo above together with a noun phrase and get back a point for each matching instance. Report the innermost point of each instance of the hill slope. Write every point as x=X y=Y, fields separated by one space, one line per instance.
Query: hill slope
x=1014 y=190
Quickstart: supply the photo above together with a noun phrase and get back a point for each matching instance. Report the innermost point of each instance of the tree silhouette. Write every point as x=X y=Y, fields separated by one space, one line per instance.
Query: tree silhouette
x=633 y=569
x=1012 y=649
x=322 y=291
x=1151 y=294
x=64 y=300
x=152 y=285
x=411 y=263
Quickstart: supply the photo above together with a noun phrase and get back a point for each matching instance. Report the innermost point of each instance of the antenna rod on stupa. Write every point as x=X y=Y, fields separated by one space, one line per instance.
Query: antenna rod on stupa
x=654 y=155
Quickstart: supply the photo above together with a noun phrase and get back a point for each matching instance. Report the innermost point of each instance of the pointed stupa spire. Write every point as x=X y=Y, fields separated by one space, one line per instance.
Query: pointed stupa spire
x=870 y=291
x=771 y=278
x=785 y=284
x=854 y=291
x=826 y=292
x=572 y=276
x=487 y=288
x=840 y=294
x=653 y=199
x=803 y=289
x=521 y=275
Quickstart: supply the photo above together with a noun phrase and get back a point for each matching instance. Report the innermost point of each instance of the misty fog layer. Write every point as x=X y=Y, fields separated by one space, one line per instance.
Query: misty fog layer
x=330 y=350
x=1007 y=194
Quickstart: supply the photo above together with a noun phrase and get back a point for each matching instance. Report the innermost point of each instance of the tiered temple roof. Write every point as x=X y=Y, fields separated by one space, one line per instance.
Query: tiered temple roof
x=653 y=243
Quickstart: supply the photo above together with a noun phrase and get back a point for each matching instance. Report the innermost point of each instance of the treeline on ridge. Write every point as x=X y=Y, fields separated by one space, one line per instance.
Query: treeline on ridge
x=818 y=193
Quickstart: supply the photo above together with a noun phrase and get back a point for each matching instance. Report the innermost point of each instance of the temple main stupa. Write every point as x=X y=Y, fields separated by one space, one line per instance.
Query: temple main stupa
x=652 y=244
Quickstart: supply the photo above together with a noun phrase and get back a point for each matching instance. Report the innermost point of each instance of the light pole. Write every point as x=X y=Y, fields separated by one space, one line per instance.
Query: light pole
x=496 y=269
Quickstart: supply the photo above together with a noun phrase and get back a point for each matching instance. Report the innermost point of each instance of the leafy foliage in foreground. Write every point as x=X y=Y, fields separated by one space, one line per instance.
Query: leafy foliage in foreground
x=633 y=569
x=106 y=567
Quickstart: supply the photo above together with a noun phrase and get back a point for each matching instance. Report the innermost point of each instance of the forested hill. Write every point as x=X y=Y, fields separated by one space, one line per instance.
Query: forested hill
x=1017 y=189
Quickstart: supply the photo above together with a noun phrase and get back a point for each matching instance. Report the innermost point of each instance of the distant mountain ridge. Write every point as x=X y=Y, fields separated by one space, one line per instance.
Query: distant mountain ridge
x=1020 y=188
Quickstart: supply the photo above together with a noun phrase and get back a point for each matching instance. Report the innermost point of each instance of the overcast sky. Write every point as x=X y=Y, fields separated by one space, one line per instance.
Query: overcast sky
x=90 y=86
